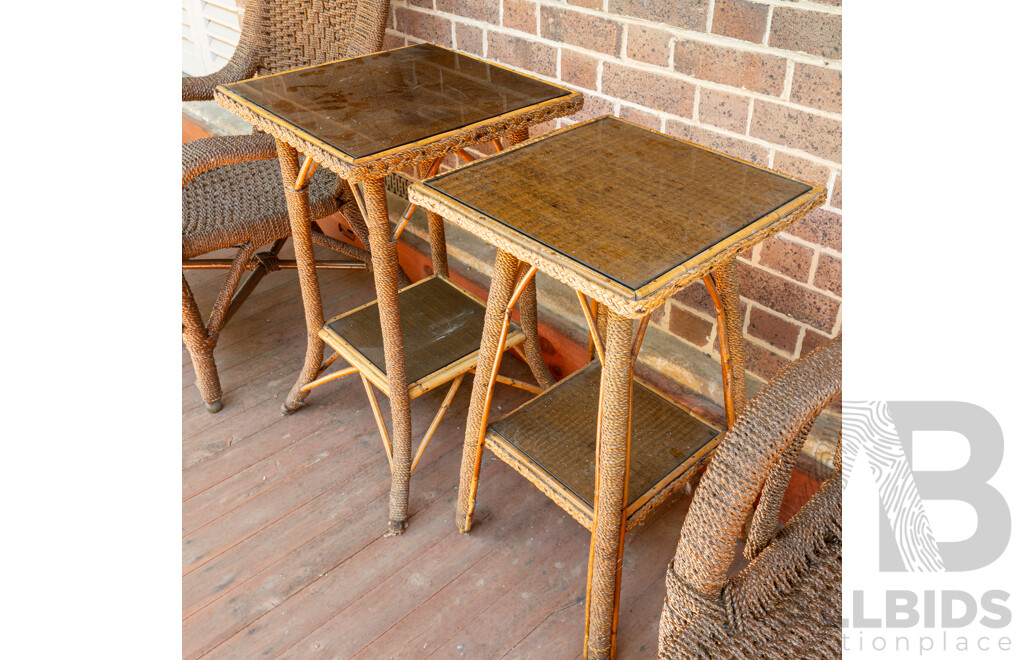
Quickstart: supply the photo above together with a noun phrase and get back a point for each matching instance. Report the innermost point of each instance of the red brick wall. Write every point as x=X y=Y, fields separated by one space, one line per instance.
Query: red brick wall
x=758 y=79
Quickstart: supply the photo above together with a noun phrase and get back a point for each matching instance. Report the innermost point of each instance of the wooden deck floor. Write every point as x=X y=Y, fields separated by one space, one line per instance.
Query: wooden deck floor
x=283 y=520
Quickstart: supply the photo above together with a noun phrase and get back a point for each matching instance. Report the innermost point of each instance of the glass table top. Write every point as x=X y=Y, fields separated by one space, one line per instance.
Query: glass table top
x=365 y=105
x=628 y=203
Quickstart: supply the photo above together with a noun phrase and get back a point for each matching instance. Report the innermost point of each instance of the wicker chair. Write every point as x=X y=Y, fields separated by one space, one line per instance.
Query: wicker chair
x=232 y=194
x=787 y=602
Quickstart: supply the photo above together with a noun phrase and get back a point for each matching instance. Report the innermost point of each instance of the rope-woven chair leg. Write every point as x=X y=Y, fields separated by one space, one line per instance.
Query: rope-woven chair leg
x=201 y=339
x=258 y=273
x=200 y=349
x=488 y=361
x=219 y=315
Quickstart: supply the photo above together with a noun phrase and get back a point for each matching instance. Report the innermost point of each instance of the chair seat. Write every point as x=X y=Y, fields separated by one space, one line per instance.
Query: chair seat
x=232 y=204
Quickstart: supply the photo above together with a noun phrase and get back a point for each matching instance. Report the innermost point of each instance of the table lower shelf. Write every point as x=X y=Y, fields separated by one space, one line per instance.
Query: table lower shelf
x=441 y=328
x=551 y=440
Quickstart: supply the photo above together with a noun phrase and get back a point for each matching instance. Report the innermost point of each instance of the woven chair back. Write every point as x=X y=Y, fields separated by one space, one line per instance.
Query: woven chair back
x=296 y=33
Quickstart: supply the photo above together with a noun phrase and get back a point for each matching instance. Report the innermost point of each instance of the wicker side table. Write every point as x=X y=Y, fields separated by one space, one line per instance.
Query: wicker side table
x=364 y=118
x=626 y=217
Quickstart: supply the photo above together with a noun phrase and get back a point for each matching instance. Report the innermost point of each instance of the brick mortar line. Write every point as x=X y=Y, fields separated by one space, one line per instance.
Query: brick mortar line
x=752 y=303
x=813 y=269
x=833 y=175
x=771 y=271
x=791 y=151
x=768 y=347
x=624 y=21
x=832 y=252
x=787 y=83
x=800 y=341
x=767 y=26
x=801 y=4
x=838 y=326
x=803 y=328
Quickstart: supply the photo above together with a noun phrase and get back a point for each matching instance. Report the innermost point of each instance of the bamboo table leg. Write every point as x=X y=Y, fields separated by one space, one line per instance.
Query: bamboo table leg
x=488 y=361
x=385 y=278
x=612 y=487
x=297 y=197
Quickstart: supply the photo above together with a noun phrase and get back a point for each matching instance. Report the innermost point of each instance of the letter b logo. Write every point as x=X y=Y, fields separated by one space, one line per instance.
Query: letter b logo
x=882 y=431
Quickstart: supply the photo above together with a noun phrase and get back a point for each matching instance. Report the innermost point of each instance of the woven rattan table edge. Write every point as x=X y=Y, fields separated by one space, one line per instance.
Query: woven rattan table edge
x=623 y=300
x=390 y=160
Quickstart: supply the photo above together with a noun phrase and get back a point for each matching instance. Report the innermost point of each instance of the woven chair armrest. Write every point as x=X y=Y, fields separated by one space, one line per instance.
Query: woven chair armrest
x=200 y=88
x=204 y=154
x=756 y=442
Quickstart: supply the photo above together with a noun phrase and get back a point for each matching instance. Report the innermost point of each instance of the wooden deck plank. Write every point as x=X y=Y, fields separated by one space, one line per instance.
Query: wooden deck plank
x=283 y=626
x=218 y=453
x=282 y=559
x=214 y=538
x=508 y=591
x=275 y=469
x=380 y=609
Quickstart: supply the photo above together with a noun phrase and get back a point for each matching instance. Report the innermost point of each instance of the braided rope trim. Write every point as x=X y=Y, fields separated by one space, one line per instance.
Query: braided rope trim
x=617 y=301
x=379 y=168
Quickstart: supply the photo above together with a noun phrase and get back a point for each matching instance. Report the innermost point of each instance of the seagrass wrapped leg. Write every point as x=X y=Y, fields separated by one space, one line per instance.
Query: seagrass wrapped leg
x=725 y=295
x=200 y=348
x=528 y=307
x=302 y=241
x=495 y=326
x=612 y=486
x=602 y=322
x=528 y=321
x=385 y=279
x=435 y=224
